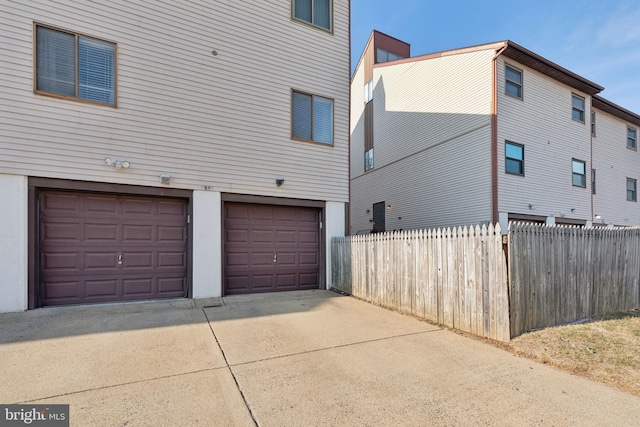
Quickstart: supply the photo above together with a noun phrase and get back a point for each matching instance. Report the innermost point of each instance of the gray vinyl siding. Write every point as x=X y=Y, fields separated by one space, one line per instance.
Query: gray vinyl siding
x=542 y=122
x=614 y=163
x=437 y=187
x=221 y=121
x=432 y=144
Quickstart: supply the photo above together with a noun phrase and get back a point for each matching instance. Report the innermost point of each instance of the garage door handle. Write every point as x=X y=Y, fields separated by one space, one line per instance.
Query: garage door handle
x=275 y=257
x=120 y=259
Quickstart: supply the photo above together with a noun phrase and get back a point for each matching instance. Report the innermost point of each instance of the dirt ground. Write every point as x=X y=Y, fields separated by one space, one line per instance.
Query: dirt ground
x=606 y=350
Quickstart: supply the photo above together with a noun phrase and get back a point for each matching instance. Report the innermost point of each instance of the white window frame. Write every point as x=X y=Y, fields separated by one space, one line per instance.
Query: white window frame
x=368 y=92
x=506 y=158
x=632 y=194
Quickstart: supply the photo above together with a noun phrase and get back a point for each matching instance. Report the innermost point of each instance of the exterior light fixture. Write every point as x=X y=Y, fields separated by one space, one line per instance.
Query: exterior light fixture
x=165 y=179
x=598 y=217
x=279 y=181
x=388 y=207
x=532 y=206
x=118 y=164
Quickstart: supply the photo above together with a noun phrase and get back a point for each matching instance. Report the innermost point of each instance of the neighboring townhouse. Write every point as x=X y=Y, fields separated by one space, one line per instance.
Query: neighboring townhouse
x=170 y=149
x=615 y=166
x=484 y=134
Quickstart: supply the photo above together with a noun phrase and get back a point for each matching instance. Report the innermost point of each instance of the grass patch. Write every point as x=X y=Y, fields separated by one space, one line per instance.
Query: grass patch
x=606 y=350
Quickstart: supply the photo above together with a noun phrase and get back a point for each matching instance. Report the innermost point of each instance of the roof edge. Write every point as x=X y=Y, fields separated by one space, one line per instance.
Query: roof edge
x=615 y=110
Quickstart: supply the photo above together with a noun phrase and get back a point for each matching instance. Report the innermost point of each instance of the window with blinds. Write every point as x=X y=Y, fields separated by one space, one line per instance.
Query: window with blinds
x=311 y=117
x=316 y=12
x=74 y=66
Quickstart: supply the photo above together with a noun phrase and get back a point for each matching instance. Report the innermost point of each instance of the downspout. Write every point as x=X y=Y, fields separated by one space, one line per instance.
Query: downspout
x=591 y=128
x=494 y=135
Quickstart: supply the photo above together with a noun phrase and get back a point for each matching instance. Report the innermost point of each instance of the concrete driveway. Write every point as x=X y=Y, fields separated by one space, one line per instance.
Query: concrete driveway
x=299 y=358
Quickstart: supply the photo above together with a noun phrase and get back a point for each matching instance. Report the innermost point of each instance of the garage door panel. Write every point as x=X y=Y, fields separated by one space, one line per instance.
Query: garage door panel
x=172 y=259
x=171 y=233
x=61 y=262
x=62 y=290
x=256 y=235
x=138 y=259
x=262 y=281
x=260 y=259
x=262 y=236
x=237 y=236
x=286 y=236
x=152 y=247
x=287 y=259
x=100 y=261
x=100 y=204
x=100 y=232
x=237 y=259
x=307 y=237
x=61 y=232
x=137 y=232
x=101 y=288
x=60 y=202
x=309 y=280
x=262 y=214
x=137 y=286
x=136 y=206
x=309 y=259
x=171 y=286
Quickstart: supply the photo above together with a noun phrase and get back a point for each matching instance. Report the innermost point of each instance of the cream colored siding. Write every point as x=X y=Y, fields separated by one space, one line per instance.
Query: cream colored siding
x=357 y=122
x=542 y=122
x=432 y=144
x=614 y=163
x=424 y=103
x=221 y=121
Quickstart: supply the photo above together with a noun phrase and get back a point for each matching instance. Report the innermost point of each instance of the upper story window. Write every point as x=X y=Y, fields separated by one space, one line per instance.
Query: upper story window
x=632 y=193
x=368 y=159
x=368 y=91
x=579 y=176
x=70 y=65
x=315 y=12
x=513 y=82
x=593 y=123
x=514 y=158
x=577 y=108
x=632 y=138
x=386 y=56
x=593 y=181
x=312 y=118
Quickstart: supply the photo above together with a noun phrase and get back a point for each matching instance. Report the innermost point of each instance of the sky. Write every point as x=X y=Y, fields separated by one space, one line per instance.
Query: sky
x=596 y=39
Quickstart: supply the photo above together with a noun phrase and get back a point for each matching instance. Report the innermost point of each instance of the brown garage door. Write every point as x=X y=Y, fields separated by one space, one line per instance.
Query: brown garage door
x=270 y=248
x=105 y=247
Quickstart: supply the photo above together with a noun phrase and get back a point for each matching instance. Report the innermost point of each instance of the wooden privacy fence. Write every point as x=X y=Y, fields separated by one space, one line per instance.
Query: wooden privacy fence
x=455 y=276
x=562 y=274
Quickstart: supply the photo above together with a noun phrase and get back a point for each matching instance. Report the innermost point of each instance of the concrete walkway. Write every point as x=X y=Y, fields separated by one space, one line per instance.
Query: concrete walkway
x=299 y=358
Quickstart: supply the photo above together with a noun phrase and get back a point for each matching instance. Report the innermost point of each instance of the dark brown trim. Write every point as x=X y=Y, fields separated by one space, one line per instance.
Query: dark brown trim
x=570 y=221
x=36 y=185
x=494 y=136
x=525 y=217
x=267 y=200
x=615 y=110
x=536 y=62
x=75 y=98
